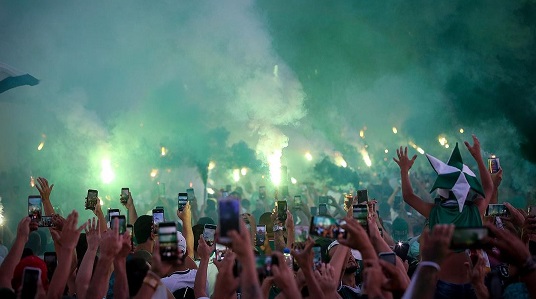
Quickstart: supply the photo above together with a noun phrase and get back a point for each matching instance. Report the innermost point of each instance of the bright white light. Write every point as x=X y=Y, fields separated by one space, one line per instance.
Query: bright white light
x=308 y=156
x=442 y=140
x=274 y=164
x=293 y=181
x=362 y=134
x=420 y=150
x=386 y=151
x=395 y=130
x=211 y=165
x=40 y=146
x=447 y=145
x=107 y=173
x=210 y=191
x=163 y=151
x=339 y=160
x=236 y=175
x=244 y=171
x=366 y=157
x=32 y=181
x=154 y=172
x=461 y=131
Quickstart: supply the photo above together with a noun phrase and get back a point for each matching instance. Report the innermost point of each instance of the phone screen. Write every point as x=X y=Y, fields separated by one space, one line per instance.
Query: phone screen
x=113 y=212
x=327 y=227
x=208 y=233
x=158 y=216
x=362 y=196
x=322 y=200
x=35 y=207
x=91 y=200
x=282 y=210
x=51 y=261
x=29 y=282
x=46 y=221
x=124 y=195
x=122 y=223
x=389 y=257
x=167 y=236
x=301 y=233
x=260 y=235
x=360 y=213
x=190 y=194
x=496 y=210
x=182 y=199
x=229 y=210
x=468 y=237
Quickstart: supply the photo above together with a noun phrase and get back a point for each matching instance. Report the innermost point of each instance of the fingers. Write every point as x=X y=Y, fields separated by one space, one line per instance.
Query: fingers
x=388 y=268
x=414 y=157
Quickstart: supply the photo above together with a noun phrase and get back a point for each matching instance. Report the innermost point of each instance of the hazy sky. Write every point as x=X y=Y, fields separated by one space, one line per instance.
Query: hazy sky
x=121 y=79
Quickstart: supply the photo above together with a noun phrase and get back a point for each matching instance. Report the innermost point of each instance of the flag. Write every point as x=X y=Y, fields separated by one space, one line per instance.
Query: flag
x=454 y=176
x=11 y=78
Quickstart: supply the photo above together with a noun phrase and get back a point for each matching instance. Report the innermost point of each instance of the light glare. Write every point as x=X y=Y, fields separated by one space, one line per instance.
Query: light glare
x=107 y=173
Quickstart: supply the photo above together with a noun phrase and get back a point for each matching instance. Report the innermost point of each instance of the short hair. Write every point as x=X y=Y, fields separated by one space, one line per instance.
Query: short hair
x=143 y=228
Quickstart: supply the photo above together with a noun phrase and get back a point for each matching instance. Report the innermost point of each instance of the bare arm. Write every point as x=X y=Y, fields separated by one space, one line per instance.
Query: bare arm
x=338 y=260
x=13 y=256
x=485 y=176
x=304 y=259
x=409 y=196
x=131 y=209
x=289 y=224
x=120 y=269
x=186 y=217
x=45 y=190
x=200 y=284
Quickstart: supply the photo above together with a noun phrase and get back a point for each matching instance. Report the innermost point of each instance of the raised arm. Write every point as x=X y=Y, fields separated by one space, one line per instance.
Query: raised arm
x=83 y=274
x=67 y=241
x=409 y=196
x=304 y=259
x=100 y=215
x=485 y=176
x=200 y=285
x=131 y=209
x=13 y=256
x=45 y=190
x=186 y=217
x=120 y=269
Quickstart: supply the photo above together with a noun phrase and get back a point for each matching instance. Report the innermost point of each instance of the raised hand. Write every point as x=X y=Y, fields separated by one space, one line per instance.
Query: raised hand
x=475 y=148
x=68 y=238
x=93 y=235
x=58 y=221
x=23 y=230
x=435 y=245
x=357 y=237
x=43 y=188
x=497 y=178
x=304 y=258
x=403 y=161
x=226 y=283
x=186 y=214
x=327 y=280
x=397 y=280
x=111 y=241
x=126 y=247
x=241 y=242
x=284 y=277
x=289 y=223
x=512 y=249
x=203 y=250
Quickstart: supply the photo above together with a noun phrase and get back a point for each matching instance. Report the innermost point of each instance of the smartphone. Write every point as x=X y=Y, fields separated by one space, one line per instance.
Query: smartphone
x=229 y=212
x=263 y=264
x=190 y=194
x=262 y=192
x=493 y=164
x=122 y=223
x=468 y=237
x=46 y=221
x=389 y=257
x=282 y=210
x=317 y=256
x=158 y=217
x=360 y=213
x=314 y=211
x=362 y=196
x=496 y=210
x=51 y=260
x=401 y=249
x=208 y=233
x=35 y=207
x=91 y=199
x=327 y=227
x=113 y=212
x=124 y=195
x=167 y=237
x=29 y=282
x=323 y=209
x=220 y=255
x=284 y=191
x=532 y=210
x=297 y=201
x=301 y=233
x=183 y=200
x=260 y=235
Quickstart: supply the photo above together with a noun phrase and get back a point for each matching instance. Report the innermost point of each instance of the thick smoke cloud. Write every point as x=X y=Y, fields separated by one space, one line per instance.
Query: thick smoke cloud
x=221 y=80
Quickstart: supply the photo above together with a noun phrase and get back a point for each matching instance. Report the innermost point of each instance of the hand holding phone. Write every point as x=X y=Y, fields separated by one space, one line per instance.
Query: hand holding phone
x=469 y=237
x=30 y=279
x=122 y=222
x=125 y=193
x=35 y=208
x=362 y=196
x=260 y=235
x=182 y=201
x=282 y=210
x=167 y=237
x=389 y=257
x=208 y=234
x=229 y=210
x=91 y=199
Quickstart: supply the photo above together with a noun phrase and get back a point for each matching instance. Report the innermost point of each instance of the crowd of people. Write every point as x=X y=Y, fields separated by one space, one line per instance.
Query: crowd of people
x=407 y=247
